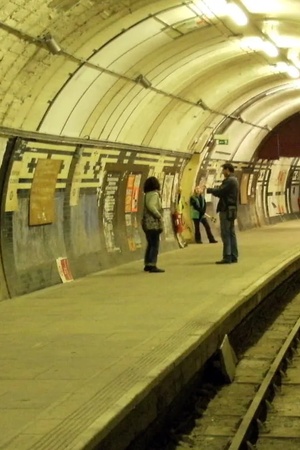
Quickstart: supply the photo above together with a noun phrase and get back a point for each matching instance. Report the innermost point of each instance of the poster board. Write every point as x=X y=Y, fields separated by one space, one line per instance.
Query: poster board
x=244 y=189
x=64 y=269
x=42 y=194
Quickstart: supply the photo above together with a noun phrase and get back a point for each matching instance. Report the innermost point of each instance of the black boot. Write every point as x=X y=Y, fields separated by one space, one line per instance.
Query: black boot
x=155 y=269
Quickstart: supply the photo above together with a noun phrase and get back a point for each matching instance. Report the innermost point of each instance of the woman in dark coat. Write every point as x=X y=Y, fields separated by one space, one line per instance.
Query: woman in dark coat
x=152 y=223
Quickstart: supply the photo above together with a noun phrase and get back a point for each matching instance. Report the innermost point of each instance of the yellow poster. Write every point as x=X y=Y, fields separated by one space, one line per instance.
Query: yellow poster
x=42 y=194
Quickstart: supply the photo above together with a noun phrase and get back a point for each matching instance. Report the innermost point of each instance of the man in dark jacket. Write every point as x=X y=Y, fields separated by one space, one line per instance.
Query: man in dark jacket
x=228 y=194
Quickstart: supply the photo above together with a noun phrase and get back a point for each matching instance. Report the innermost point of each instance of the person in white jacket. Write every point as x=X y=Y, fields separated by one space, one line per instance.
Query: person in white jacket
x=152 y=223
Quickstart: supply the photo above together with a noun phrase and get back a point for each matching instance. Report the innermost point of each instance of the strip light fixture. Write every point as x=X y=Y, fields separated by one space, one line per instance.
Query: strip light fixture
x=237 y=14
x=292 y=71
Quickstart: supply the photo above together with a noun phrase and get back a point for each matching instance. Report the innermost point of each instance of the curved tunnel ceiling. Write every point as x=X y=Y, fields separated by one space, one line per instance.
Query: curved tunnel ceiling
x=159 y=73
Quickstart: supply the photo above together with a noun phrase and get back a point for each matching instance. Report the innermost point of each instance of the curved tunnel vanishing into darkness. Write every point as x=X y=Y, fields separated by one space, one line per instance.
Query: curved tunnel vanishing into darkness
x=99 y=95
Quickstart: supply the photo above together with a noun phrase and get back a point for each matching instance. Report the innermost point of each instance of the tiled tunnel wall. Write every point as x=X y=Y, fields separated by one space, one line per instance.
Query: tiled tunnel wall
x=269 y=189
x=79 y=203
x=84 y=203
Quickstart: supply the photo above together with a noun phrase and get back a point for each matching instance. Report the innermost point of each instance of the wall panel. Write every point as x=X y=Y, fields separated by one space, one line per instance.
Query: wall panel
x=87 y=212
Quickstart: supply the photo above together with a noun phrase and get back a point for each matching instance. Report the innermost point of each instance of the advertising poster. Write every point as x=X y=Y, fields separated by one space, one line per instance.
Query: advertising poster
x=42 y=194
x=295 y=195
x=168 y=226
x=281 y=204
x=131 y=209
x=281 y=180
x=261 y=198
x=272 y=205
x=244 y=188
x=135 y=193
x=259 y=205
x=175 y=188
x=129 y=191
x=64 y=269
x=250 y=183
x=261 y=176
x=295 y=192
x=110 y=196
x=167 y=191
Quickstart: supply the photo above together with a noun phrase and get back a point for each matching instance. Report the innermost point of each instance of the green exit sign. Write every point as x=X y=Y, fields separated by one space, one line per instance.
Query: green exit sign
x=223 y=141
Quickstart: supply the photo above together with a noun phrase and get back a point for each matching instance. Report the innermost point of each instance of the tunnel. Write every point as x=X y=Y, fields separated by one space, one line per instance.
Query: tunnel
x=99 y=95
x=96 y=97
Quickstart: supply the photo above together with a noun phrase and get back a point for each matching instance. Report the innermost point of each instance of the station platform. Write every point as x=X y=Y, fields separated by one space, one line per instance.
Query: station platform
x=94 y=361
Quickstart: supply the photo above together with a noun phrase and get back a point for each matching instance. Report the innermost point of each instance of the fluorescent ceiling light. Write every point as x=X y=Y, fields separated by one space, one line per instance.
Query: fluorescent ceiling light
x=294 y=57
x=282 y=66
x=236 y=14
x=286 y=41
x=270 y=49
x=264 y=6
x=296 y=84
x=293 y=72
x=258 y=44
x=252 y=43
x=283 y=37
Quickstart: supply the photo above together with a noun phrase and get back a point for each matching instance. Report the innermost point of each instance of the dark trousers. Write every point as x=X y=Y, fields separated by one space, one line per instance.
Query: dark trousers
x=205 y=223
x=230 y=249
x=152 y=249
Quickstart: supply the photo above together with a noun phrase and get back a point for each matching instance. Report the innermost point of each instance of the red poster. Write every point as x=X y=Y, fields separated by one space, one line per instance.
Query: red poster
x=128 y=197
x=135 y=193
x=64 y=270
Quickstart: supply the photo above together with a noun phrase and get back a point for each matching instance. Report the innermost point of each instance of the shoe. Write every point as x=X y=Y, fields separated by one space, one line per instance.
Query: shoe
x=234 y=261
x=213 y=242
x=200 y=242
x=155 y=269
x=147 y=268
x=223 y=261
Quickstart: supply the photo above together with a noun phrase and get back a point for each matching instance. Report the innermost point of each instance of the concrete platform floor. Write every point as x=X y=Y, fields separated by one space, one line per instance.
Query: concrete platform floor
x=76 y=357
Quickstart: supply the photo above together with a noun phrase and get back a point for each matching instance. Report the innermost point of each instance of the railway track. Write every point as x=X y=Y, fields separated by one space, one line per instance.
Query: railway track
x=261 y=408
x=278 y=425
